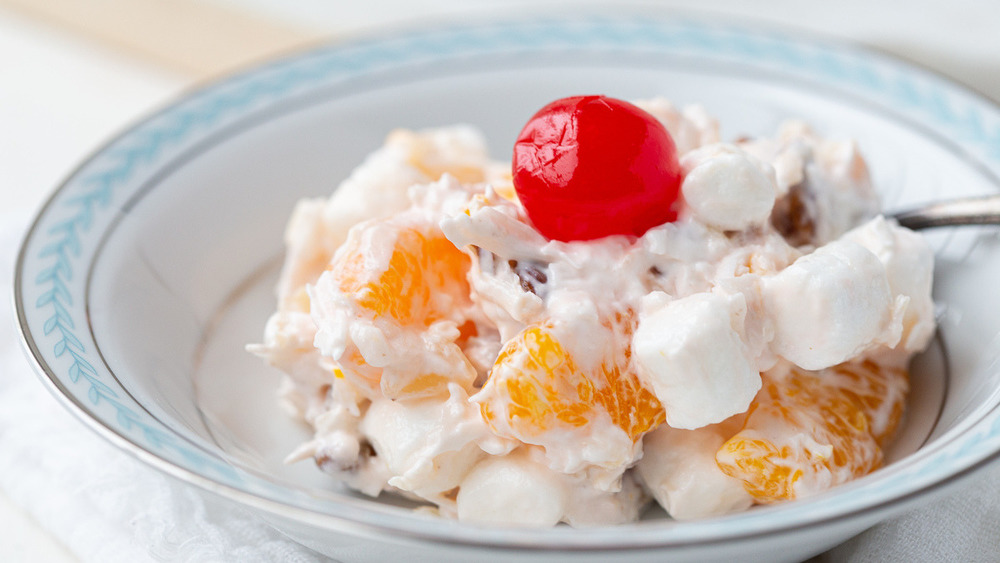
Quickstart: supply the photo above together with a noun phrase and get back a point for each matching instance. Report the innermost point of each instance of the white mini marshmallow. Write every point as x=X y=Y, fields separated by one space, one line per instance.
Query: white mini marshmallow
x=831 y=305
x=727 y=188
x=511 y=490
x=691 y=353
x=429 y=445
x=679 y=469
x=909 y=267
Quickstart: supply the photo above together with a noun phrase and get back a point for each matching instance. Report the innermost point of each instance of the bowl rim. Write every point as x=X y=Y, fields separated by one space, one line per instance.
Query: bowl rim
x=414 y=527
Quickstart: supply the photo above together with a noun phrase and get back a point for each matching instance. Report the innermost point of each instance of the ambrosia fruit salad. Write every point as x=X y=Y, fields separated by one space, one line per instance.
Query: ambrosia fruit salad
x=634 y=311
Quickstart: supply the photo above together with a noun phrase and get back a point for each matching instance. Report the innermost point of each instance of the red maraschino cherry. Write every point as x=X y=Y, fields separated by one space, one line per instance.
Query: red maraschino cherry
x=588 y=167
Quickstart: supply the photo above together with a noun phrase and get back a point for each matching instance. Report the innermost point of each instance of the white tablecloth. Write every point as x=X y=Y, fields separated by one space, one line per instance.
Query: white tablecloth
x=60 y=96
x=104 y=505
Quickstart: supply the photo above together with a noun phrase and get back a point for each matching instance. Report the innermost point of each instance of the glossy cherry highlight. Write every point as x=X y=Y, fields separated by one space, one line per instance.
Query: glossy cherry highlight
x=587 y=167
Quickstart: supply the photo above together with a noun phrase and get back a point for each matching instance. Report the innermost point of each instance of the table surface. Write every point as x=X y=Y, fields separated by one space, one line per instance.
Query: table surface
x=70 y=83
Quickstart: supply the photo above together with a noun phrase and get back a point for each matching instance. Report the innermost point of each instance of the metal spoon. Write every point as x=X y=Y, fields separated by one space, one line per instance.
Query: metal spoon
x=982 y=210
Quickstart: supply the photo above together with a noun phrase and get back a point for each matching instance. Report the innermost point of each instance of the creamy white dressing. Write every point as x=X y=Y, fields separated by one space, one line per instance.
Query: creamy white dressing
x=778 y=256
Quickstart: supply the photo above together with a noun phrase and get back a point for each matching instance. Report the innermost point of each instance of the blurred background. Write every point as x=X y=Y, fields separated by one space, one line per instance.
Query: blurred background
x=75 y=72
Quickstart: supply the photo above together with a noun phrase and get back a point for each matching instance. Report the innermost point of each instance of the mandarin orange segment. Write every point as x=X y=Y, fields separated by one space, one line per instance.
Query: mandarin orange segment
x=536 y=386
x=422 y=158
x=807 y=431
x=469 y=174
x=423 y=385
x=420 y=264
x=880 y=389
x=424 y=280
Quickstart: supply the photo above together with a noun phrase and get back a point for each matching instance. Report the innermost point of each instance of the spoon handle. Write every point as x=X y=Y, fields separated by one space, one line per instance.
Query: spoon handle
x=983 y=210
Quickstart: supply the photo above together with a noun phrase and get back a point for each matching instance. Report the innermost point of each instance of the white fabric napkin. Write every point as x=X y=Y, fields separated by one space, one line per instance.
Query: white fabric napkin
x=104 y=505
x=107 y=507
x=963 y=525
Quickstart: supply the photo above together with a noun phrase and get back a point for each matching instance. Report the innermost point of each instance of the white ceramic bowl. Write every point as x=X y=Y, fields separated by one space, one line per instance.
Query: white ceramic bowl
x=150 y=268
